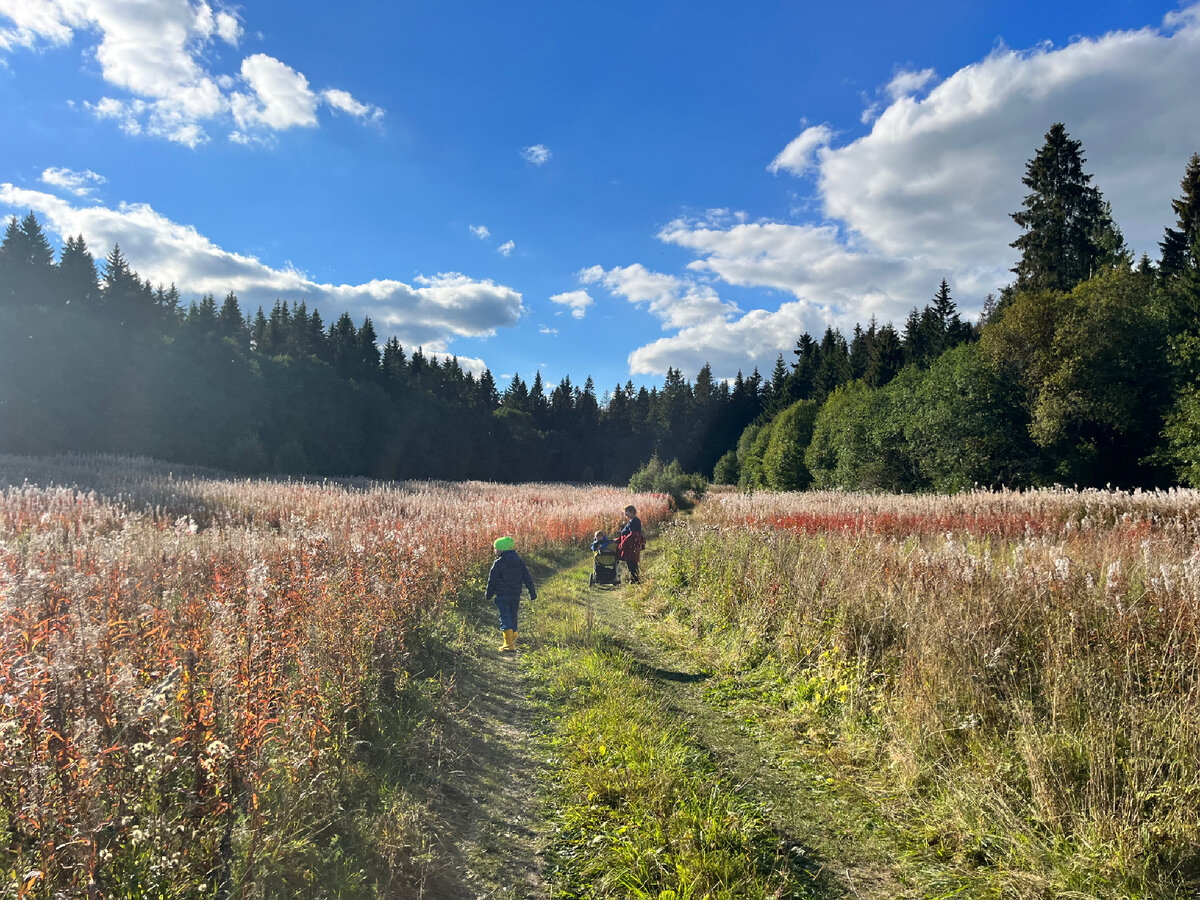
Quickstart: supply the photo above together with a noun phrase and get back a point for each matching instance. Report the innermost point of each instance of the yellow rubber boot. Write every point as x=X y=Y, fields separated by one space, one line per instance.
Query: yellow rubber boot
x=509 y=644
x=514 y=639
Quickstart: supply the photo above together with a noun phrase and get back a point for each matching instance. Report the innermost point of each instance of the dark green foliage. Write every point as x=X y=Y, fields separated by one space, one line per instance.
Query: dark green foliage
x=1086 y=371
x=670 y=479
x=1069 y=231
x=858 y=440
x=726 y=469
x=1181 y=245
x=1093 y=366
x=783 y=460
x=967 y=425
x=91 y=363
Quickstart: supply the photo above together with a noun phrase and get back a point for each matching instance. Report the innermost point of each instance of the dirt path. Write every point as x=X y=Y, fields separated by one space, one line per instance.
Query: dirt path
x=480 y=785
x=485 y=787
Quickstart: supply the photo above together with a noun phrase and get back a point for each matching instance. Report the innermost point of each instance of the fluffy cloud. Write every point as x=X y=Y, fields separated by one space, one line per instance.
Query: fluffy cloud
x=429 y=313
x=537 y=155
x=753 y=340
x=813 y=262
x=281 y=96
x=577 y=301
x=937 y=178
x=343 y=101
x=907 y=82
x=926 y=193
x=81 y=184
x=506 y=248
x=480 y=231
x=678 y=302
x=156 y=51
x=800 y=154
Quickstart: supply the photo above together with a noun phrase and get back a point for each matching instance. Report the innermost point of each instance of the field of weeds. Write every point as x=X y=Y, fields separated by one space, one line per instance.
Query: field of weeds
x=1013 y=677
x=188 y=662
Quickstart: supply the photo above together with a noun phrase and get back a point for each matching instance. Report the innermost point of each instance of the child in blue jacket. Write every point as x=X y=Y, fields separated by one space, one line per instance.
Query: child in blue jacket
x=508 y=575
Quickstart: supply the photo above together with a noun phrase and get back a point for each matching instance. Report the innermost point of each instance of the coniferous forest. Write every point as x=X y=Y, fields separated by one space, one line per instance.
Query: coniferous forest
x=1084 y=370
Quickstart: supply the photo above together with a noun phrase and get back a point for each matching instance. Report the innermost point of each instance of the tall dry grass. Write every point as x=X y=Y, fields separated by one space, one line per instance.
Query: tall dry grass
x=187 y=662
x=1020 y=672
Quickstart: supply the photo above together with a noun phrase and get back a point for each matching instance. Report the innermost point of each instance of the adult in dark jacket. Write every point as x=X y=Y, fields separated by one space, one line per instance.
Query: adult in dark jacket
x=508 y=575
x=631 y=543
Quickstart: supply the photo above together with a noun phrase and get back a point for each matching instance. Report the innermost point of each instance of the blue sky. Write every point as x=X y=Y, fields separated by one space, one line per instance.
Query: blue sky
x=583 y=190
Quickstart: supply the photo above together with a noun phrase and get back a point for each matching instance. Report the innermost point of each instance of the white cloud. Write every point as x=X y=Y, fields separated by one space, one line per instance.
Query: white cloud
x=926 y=193
x=800 y=155
x=281 y=99
x=812 y=262
x=754 y=340
x=429 y=313
x=907 y=82
x=157 y=52
x=545 y=329
x=480 y=231
x=577 y=301
x=467 y=363
x=81 y=184
x=677 y=302
x=937 y=178
x=33 y=20
x=344 y=102
x=506 y=248
x=538 y=154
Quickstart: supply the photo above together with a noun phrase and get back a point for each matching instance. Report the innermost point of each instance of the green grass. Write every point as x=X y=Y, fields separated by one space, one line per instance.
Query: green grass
x=640 y=809
x=806 y=655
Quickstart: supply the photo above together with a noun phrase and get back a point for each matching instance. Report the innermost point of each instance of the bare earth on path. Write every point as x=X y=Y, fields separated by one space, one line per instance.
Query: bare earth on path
x=481 y=780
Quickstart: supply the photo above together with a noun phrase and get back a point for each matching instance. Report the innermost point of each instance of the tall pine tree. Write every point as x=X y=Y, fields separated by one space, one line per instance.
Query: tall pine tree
x=1069 y=231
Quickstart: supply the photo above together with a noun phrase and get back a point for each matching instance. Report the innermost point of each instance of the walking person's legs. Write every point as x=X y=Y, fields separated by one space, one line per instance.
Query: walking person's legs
x=507 y=607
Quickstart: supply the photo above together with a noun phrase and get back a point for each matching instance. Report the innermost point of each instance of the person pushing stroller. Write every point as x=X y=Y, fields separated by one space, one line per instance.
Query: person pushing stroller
x=604 y=561
x=631 y=543
x=508 y=575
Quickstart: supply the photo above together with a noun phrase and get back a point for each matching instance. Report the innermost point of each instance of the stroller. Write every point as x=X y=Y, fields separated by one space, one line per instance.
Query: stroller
x=604 y=567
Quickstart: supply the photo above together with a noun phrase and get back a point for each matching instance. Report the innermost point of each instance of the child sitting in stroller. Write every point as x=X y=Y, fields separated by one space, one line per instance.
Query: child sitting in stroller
x=604 y=562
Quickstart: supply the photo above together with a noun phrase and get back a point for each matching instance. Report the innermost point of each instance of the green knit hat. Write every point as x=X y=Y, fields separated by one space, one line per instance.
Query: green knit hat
x=503 y=543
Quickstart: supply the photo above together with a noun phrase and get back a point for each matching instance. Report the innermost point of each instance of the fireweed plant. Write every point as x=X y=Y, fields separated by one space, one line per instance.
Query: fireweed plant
x=186 y=661
x=1014 y=676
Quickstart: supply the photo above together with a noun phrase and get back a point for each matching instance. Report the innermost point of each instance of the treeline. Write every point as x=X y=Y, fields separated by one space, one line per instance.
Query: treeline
x=1085 y=371
x=95 y=358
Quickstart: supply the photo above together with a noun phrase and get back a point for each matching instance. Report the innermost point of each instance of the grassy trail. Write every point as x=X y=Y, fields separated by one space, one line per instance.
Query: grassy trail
x=648 y=787
x=596 y=763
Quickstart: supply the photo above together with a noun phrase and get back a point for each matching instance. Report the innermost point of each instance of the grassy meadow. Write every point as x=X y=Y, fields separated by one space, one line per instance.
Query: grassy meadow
x=1013 y=678
x=212 y=687
x=191 y=666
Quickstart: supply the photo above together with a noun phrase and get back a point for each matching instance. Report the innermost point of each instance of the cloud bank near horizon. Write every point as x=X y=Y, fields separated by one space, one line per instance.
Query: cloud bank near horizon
x=430 y=313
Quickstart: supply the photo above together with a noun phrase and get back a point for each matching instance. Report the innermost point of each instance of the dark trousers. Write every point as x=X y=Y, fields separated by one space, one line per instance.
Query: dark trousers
x=508 y=611
x=632 y=562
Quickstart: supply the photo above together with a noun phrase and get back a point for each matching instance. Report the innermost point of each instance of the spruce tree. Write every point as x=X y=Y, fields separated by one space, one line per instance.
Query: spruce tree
x=516 y=395
x=232 y=325
x=1069 y=232
x=121 y=288
x=1181 y=246
x=28 y=275
x=77 y=275
x=887 y=357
